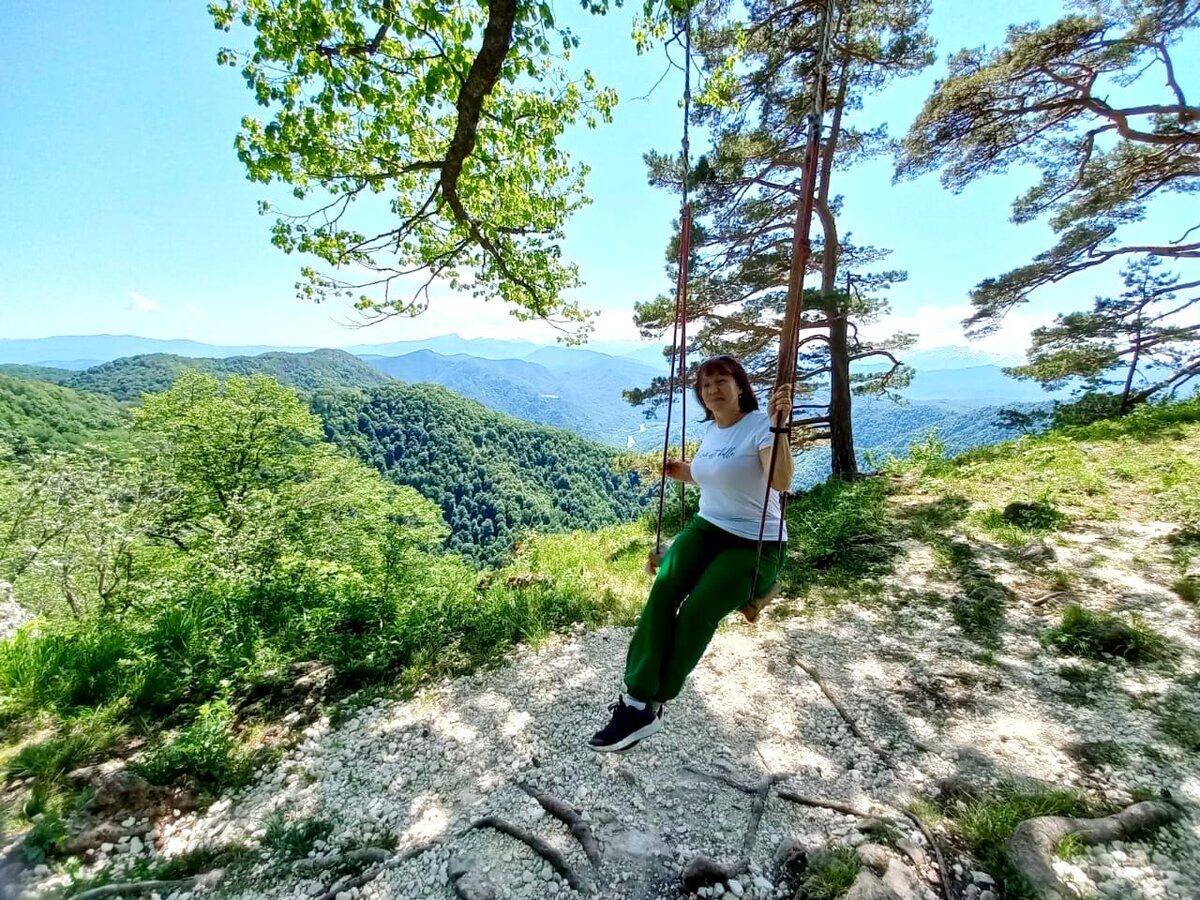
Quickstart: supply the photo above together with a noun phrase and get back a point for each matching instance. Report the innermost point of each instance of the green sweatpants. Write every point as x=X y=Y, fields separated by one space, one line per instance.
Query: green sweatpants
x=706 y=574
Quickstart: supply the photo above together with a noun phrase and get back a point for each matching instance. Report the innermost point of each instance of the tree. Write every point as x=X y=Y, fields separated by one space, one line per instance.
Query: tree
x=1077 y=99
x=384 y=111
x=748 y=185
x=1145 y=327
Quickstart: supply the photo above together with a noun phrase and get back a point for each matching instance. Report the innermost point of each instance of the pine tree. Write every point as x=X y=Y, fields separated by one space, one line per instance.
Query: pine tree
x=757 y=97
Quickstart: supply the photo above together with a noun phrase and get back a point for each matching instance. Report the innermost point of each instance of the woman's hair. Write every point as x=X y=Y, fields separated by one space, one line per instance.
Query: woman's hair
x=726 y=365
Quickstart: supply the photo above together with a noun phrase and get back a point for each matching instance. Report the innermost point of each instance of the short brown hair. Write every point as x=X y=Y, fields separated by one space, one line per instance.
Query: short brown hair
x=726 y=365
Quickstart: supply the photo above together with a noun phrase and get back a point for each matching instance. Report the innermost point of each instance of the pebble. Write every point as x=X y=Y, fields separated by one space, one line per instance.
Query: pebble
x=459 y=750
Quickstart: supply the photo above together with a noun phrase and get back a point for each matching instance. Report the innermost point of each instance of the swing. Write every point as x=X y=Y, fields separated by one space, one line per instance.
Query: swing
x=789 y=338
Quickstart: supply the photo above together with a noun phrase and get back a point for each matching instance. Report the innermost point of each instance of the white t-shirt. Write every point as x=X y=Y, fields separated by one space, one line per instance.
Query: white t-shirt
x=731 y=478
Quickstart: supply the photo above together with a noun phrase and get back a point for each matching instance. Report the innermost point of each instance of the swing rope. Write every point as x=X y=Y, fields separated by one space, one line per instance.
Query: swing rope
x=679 y=332
x=789 y=337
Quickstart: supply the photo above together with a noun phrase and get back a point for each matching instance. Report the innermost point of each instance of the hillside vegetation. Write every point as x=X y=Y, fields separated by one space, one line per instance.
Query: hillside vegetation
x=495 y=478
x=36 y=414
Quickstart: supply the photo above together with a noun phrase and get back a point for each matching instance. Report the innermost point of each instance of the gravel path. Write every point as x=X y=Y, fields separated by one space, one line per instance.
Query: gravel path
x=424 y=770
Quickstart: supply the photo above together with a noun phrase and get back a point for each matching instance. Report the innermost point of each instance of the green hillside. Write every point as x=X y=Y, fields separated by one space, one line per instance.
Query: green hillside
x=37 y=373
x=131 y=377
x=52 y=417
x=494 y=476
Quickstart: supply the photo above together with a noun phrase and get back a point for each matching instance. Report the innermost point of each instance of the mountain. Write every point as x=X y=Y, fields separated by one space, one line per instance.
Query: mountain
x=579 y=391
x=68 y=351
x=129 y=378
x=51 y=374
x=495 y=477
x=976 y=386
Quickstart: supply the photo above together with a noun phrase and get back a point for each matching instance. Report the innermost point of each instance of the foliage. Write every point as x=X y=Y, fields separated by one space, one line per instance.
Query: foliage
x=1037 y=100
x=206 y=752
x=1144 y=329
x=494 y=477
x=68 y=530
x=1094 y=635
x=760 y=88
x=35 y=415
x=448 y=118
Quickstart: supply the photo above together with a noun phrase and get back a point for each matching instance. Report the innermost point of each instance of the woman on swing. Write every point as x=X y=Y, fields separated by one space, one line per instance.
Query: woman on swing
x=709 y=570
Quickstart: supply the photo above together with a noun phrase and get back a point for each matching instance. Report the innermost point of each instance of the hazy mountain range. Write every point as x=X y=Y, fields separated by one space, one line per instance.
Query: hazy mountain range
x=956 y=389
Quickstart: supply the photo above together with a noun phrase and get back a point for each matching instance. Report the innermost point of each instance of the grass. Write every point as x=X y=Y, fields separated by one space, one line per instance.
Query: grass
x=1187 y=588
x=208 y=753
x=984 y=825
x=293 y=840
x=231 y=858
x=830 y=874
x=1071 y=848
x=1095 y=635
x=979 y=608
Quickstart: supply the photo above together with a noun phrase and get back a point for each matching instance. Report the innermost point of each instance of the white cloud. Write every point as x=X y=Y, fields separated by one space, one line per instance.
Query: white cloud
x=941 y=326
x=191 y=309
x=141 y=303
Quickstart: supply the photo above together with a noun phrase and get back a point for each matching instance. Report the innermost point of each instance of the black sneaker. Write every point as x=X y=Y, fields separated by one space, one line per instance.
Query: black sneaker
x=627 y=727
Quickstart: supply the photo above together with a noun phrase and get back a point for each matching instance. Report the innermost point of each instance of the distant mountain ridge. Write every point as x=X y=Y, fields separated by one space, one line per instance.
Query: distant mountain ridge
x=128 y=378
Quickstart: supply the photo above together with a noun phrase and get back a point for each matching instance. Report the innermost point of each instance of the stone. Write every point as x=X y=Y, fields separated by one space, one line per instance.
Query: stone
x=874 y=857
x=868 y=887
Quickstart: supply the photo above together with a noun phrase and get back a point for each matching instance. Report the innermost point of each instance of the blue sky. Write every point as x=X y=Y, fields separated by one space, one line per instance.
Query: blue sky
x=126 y=211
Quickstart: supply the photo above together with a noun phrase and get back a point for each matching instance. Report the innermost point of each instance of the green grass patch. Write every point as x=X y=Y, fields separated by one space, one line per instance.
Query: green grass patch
x=839 y=536
x=1071 y=848
x=1187 y=588
x=76 y=743
x=293 y=840
x=207 y=753
x=830 y=874
x=1096 y=635
x=980 y=607
x=985 y=825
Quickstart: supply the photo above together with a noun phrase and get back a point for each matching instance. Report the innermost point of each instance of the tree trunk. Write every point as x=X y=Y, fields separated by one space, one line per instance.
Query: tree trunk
x=842 y=460
x=1133 y=363
x=841 y=430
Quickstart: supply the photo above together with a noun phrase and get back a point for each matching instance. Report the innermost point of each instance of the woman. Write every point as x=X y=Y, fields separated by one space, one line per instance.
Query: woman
x=708 y=572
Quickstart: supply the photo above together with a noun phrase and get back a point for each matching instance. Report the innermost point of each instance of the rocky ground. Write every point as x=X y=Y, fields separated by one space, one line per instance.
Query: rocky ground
x=753 y=736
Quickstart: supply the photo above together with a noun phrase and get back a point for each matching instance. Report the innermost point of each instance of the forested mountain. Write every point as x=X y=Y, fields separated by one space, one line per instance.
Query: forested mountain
x=52 y=417
x=131 y=377
x=37 y=373
x=493 y=476
x=572 y=389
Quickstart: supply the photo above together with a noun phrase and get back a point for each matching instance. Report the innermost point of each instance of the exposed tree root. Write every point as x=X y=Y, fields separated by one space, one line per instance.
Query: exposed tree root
x=372 y=855
x=1031 y=848
x=137 y=888
x=704 y=870
x=544 y=850
x=842 y=808
x=571 y=817
x=370 y=874
x=884 y=756
x=944 y=876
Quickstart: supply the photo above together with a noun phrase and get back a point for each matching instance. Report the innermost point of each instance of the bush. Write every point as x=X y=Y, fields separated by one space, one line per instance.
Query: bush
x=207 y=752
